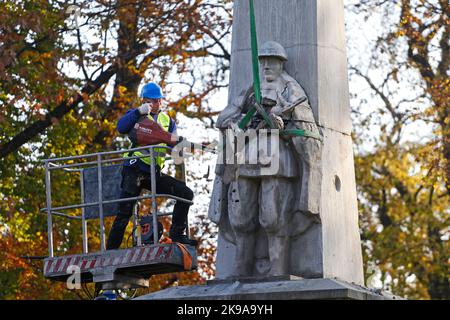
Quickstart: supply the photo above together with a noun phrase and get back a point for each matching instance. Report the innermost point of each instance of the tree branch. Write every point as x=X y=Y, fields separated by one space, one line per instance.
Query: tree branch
x=383 y=97
x=58 y=113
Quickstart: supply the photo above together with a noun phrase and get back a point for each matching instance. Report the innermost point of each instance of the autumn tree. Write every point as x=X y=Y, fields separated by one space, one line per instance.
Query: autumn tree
x=67 y=72
x=401 y=105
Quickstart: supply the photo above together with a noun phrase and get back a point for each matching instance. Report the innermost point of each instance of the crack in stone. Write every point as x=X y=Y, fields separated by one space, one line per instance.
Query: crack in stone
x=300 y=45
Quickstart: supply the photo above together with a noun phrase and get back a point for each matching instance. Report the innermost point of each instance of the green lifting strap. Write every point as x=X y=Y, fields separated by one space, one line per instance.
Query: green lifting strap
x=255 y=65
x=257 y=87
x=255 y=62
x=256 y=79
x=247 y=118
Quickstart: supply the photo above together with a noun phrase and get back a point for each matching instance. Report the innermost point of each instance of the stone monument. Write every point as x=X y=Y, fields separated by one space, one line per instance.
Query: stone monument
x=292 y=233
x=312 y=33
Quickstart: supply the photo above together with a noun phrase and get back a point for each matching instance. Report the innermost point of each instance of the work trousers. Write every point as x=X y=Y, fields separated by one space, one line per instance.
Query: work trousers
x=133 y=181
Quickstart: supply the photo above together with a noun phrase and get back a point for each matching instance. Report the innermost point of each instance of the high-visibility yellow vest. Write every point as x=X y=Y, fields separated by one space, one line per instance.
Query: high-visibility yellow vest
x=164 y=121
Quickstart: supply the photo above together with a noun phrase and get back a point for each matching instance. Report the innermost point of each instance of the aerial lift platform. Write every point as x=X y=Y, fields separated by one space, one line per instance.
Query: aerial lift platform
x=100 y=194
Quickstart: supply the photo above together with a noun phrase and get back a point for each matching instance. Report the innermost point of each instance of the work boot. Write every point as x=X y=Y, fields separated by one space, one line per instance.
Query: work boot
x=177 y=234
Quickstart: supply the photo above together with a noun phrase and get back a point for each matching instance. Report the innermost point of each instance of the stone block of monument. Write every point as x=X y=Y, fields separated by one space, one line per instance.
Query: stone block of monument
x=275 y=288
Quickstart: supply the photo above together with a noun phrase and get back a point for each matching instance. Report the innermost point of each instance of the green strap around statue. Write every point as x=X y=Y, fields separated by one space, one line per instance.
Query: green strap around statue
x=257 y=88
x=255 y=65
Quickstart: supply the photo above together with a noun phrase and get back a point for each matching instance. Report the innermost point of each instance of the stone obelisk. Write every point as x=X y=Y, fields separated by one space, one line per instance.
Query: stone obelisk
x=312 y=32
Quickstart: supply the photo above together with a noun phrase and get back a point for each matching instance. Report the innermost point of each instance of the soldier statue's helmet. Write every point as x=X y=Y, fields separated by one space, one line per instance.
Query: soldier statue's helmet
x=272 y=49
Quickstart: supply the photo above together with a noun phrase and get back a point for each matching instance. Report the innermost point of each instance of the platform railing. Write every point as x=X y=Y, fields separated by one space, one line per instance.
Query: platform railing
x=50 y=165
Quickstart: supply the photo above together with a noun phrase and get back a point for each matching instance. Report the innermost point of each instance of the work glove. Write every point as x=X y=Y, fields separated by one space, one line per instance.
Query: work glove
x=144 y=109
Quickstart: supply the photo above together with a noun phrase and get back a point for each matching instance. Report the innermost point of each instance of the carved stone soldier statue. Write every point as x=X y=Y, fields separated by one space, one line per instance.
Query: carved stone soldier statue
x=258 y=210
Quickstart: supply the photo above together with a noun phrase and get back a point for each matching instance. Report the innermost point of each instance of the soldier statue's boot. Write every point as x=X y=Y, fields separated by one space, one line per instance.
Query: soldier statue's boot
x=177 y=234
x=278 y=252
x=245 y=246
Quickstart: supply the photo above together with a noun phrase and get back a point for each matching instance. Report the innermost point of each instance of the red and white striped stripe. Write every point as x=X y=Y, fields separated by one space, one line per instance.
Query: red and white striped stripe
x=137 y=255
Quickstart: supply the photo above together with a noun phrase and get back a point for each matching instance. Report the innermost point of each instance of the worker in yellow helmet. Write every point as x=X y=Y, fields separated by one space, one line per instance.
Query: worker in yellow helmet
x=136 y=172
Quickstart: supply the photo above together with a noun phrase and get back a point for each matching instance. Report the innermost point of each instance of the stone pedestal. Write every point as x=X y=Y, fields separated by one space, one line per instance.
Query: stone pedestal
x=312 y=32
x=279 y=288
